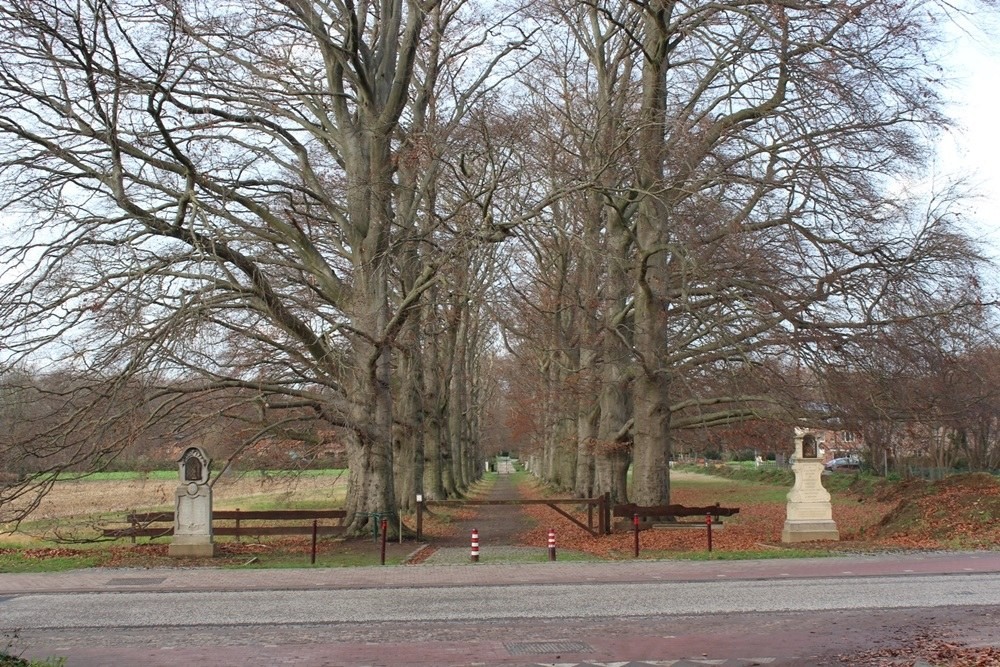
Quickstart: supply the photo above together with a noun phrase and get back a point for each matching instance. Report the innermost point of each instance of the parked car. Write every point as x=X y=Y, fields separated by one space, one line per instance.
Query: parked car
x=847 y=464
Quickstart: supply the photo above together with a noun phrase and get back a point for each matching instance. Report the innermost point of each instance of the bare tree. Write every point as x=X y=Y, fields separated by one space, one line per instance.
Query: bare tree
x=236 y=194
x=298 y=199
x=923 y=394
x=765 y=216
x=570 y=279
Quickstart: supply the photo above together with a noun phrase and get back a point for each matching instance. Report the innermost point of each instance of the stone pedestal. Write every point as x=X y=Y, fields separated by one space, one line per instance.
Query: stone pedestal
x=808 y=515
x=192 y=522
x=193 y=509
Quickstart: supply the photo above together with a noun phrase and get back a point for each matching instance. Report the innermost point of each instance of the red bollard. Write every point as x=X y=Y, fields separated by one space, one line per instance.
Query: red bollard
x=552 y=543
x=635 y=522
x=708 y=523
x=475 y=546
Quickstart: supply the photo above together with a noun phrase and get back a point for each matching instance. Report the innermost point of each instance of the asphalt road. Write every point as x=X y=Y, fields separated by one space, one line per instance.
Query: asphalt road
x=566 y=614
x=104 y=611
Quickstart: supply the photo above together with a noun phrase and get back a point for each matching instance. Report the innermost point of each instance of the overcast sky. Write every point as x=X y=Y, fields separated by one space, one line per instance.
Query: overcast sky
x=974 y=148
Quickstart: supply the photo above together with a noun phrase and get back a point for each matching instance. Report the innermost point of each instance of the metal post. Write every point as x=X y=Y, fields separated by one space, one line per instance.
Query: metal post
x=635 y=522
x=385 y=525
x=708 y=523
x=420 y=517
x=312 y=558
x=607 y=512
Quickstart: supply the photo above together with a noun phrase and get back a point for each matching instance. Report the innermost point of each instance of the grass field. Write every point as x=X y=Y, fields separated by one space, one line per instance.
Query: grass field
x=870 y=513
x=64 y=531
x=74 y=509
x=171 y=475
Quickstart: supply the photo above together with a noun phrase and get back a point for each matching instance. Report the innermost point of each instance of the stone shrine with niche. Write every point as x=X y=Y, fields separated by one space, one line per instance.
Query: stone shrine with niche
x=808 y=514
x=193 y=507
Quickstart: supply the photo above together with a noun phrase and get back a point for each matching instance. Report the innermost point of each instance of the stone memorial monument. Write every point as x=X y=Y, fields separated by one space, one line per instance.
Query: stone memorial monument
x=193 y=507
x=808 y=515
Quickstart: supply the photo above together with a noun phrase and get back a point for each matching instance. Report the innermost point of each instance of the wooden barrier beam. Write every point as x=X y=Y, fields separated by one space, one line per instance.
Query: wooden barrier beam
x=304 y=529
x=631 y=510
x=544 y=501
x=277 y=515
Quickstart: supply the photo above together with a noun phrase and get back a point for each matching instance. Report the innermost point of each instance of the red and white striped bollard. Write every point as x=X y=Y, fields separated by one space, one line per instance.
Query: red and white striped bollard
x=552 y=543
x=475 y=546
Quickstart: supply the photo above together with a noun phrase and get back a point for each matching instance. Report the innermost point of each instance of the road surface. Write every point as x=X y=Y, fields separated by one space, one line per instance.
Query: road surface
x=796 y=612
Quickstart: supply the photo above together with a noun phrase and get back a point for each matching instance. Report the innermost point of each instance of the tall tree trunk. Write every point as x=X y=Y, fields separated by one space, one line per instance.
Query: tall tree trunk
x=587 y=404
x=370 y=483
x=651 y=450
x=586 y=435
x=450 y=480
x=475 y=396
x=408 y=431
x=457 y=398
x=613 y=450
x=434 y=475
x=369 y=199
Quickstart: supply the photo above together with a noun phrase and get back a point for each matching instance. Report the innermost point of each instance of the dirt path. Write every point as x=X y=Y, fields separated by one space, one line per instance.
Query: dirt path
x=693 y=477
x=501 y=524
x=497 y=524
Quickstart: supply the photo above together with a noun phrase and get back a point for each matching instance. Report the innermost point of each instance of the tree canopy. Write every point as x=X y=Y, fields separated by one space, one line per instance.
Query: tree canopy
x=402 y=220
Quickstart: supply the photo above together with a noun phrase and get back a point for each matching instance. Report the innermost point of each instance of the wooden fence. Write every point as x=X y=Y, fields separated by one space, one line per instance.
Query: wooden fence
x=602 y=504
x=238 y=523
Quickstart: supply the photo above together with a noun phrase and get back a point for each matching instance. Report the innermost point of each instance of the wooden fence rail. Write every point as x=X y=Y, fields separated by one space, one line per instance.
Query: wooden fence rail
x=672 y=512
x=141 y=524
x=601 y=503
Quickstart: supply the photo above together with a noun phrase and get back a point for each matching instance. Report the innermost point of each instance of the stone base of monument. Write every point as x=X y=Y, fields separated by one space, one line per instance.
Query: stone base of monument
x=808 y=514
x=808 y=531
x=191 y=549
